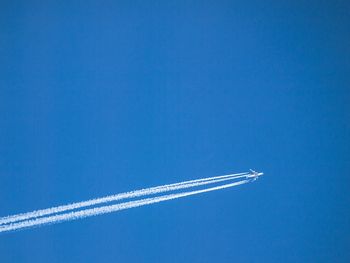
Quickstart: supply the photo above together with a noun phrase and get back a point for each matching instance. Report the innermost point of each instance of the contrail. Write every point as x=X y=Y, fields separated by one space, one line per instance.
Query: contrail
x=108 y=208
x=112 y=198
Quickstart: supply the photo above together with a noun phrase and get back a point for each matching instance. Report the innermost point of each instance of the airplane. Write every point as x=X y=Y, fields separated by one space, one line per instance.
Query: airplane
x=253 y=175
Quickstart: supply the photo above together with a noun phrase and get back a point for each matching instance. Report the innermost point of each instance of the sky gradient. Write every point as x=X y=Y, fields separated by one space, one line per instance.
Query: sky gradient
x=102 y=97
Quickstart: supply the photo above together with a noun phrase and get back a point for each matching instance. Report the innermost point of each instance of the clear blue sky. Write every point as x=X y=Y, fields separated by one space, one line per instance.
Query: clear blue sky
x=101 y=97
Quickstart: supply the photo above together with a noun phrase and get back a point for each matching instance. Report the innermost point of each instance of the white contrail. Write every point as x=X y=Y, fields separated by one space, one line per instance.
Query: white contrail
x=108 y=208
x=111 y=198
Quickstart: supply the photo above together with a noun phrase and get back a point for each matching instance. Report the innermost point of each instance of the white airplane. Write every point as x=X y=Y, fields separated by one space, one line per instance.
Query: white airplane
x=253 y=175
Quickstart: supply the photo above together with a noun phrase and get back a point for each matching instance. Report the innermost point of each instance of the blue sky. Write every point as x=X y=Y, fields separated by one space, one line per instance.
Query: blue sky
x=101 y=97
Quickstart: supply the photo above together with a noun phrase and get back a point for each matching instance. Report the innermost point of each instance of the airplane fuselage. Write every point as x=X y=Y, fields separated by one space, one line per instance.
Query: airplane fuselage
x=254 y=175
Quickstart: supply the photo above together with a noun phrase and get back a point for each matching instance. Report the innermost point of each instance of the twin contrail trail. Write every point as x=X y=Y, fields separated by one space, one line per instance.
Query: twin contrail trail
x=83 y=209
x=111 y=198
